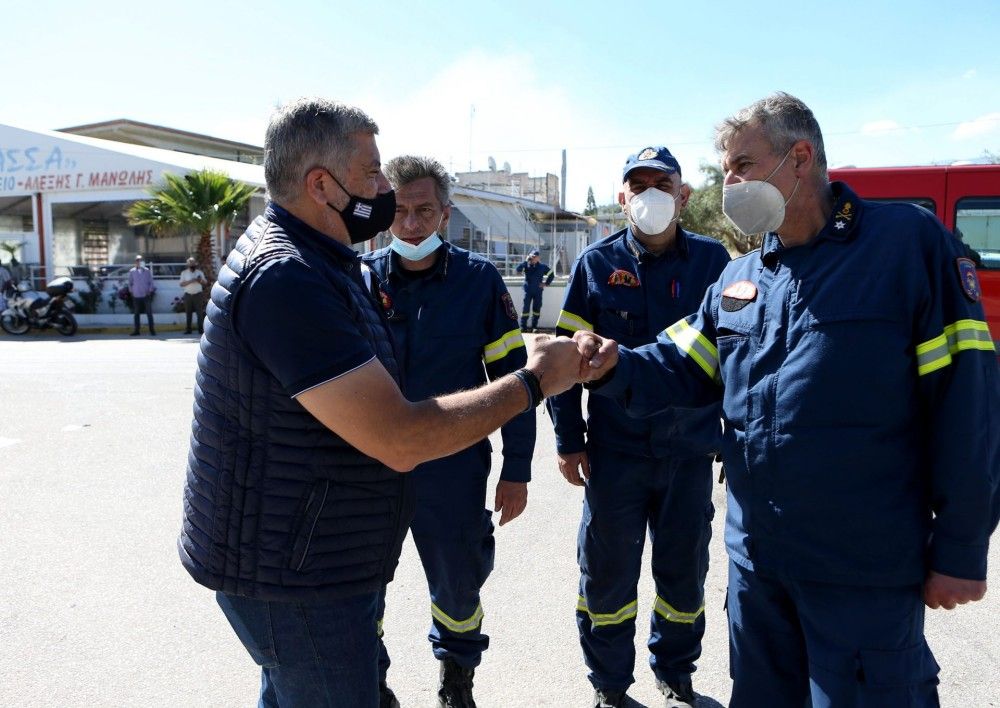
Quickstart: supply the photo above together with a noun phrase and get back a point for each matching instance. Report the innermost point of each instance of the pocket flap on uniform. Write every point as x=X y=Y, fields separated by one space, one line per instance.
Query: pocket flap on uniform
x=894 y=669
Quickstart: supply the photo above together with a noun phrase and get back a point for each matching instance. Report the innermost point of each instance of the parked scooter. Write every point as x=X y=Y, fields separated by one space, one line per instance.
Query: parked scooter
x=27 y=308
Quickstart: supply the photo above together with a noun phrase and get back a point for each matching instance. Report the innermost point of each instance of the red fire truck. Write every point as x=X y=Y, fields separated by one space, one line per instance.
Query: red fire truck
x=966 y=198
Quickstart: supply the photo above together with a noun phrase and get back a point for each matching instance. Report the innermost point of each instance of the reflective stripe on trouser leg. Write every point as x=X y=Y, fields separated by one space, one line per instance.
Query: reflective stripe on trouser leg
x=453 y=533
x=680 y=527
x=609 y=551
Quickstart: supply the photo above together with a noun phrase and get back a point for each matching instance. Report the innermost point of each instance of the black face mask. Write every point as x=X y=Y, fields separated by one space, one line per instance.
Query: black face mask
x=366 y=218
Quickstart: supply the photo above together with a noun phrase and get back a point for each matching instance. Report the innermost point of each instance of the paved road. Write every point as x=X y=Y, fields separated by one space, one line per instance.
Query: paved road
x=95 y=609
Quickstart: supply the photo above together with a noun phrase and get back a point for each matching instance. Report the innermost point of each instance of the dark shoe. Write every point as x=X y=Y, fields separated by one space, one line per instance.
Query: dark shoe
x=677 y=694
x=456 y=686
x=386 y=698
x=606 y=698
x=187 y=331
x=152 y=333
x=134 y=334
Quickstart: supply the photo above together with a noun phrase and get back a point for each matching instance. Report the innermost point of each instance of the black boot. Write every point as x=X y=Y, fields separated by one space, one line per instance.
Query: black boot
x=456 y=686
x=386 y=698
x=607 y=698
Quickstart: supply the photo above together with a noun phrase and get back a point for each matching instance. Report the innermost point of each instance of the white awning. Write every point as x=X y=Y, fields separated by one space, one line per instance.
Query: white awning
x=496 y=219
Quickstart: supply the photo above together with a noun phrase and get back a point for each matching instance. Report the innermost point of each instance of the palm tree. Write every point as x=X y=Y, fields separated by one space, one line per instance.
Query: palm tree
x=200 y=202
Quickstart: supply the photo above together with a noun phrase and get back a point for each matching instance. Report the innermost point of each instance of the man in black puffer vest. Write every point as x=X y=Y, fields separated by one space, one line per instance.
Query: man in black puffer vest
x=294 y=508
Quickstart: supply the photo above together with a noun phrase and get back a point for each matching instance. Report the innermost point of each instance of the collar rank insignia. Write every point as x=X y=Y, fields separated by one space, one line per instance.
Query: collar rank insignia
x=842 y=219
x=508 y=305
x=738 y=295
x=967 y=277
x=623 y=278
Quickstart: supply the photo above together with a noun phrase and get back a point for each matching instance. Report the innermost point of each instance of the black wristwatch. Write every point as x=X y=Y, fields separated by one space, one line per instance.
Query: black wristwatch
x=532 y=386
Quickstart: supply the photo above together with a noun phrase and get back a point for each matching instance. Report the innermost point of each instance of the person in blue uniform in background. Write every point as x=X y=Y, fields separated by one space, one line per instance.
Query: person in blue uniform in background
x=455 y=327
x=860 y=390
x=640 y=474
x=537 y=276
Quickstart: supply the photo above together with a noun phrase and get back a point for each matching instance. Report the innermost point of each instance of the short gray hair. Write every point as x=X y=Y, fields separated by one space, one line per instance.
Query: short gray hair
x=307 y=133
x=402 y=170
x=784 y=121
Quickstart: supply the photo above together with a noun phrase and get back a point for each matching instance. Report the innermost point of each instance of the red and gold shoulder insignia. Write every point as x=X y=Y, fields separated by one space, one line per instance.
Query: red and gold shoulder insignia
x=968 y=278
x=623 y=278
x=508 y=306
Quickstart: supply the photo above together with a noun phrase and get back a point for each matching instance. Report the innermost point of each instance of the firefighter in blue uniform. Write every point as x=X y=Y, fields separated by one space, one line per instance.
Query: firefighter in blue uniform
x=653 y=473
x=455 y=325
x=859 y=387
x=537 y=276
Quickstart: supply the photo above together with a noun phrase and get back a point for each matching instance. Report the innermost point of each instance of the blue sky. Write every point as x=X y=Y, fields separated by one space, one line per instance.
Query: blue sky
x=890 y=82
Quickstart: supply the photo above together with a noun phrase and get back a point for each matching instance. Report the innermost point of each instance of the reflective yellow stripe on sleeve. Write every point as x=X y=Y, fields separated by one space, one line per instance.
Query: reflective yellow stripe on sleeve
x=670 y=613
x=960 y=336
x=696 y=345
x=494 y=351
x=599 y=620
x=573 y=323
x=458 y=626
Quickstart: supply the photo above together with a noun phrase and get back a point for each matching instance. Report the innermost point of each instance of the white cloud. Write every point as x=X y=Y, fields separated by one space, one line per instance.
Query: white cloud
x=880 y=127
x=970 y=74
x=983 y=125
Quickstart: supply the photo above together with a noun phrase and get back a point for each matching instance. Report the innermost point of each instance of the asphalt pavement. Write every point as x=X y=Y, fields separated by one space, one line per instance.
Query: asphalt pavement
x=96 y=610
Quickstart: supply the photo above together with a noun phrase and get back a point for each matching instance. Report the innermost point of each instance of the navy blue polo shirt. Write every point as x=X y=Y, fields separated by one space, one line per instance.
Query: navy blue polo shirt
x=294 y=319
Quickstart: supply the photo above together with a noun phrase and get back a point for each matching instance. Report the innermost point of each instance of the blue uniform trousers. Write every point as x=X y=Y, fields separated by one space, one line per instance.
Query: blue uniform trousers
x=625 y=495
x=793 y=642
x=532 y=306
x=453 y=533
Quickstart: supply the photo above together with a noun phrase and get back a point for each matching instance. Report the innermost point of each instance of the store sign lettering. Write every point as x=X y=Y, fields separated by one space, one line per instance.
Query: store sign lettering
x=37 y=169
x=33 y=159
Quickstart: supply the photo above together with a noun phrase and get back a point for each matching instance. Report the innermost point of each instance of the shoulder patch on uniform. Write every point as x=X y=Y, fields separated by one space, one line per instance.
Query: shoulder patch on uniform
x=738 y=295
x=623 y=278
x=968 y=278
x=508 y=306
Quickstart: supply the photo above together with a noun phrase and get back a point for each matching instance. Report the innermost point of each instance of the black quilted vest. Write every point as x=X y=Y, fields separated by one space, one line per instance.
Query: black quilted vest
x=276 y=506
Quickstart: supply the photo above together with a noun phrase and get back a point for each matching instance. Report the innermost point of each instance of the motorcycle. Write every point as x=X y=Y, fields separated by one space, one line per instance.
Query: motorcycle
x=27 y=308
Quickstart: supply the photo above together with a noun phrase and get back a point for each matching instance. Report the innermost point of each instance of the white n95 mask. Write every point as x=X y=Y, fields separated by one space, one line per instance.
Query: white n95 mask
x=652 y=211
x=756 y=206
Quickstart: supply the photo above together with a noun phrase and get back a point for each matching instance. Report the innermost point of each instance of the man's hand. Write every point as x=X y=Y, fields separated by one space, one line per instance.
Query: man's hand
x=945 y=591
x=574 y=464
x=511 y=499
x=600 y=354
x=557 y=363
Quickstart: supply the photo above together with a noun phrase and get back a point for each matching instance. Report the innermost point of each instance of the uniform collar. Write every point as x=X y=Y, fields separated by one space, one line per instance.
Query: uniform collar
x=842 y=226
x=439 y=270
x=300 y=230
x=643 y=254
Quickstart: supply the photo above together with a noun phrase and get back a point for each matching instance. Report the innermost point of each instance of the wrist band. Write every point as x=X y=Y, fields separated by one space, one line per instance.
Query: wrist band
x=531 y=386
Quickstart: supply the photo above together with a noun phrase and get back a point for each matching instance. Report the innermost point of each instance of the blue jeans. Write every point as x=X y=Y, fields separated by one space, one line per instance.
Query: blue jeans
x=322 y=655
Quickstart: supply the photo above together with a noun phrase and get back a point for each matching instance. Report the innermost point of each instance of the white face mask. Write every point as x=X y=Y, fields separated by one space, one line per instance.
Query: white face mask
x=421 y=250
x=651 y=211
x=756 y=206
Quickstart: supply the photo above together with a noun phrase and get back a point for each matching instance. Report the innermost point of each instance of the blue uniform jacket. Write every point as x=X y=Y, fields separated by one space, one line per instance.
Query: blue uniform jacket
x=860 y=395
x=456 y=329
x=620 y=290
x=535 y=274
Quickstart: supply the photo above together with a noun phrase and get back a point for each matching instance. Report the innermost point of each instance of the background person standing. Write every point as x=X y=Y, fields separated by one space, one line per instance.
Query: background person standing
x=653 y=474
x=456 y=328
x=537 y=276
x=192 y=282
x=141 y=287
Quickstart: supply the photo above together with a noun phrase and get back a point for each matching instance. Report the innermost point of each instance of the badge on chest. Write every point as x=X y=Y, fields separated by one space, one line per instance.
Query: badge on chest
x=738 y=295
